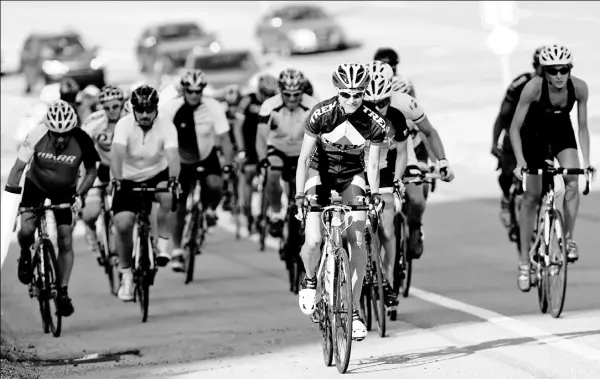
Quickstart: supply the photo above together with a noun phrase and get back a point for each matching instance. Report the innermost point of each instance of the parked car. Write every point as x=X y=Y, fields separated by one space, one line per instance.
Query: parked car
x=51 y=57
x=173 y=40
x=299 y=28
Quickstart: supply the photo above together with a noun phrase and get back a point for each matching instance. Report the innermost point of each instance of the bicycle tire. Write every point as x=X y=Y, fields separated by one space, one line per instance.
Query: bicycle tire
x=365 y=307
x=189 y=255
x=377 y=296
x=542 y=289
x=403 y=261
x=263 y=222
x=37 y=282
x=342 y=291
x=325 y=324
x=142 y=284
x=51 y=274
x=113 y=258
x=557 y=286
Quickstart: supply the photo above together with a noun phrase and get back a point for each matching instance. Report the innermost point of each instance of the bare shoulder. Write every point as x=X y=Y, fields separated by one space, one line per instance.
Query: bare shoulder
x=532 y=89
x=581 y=87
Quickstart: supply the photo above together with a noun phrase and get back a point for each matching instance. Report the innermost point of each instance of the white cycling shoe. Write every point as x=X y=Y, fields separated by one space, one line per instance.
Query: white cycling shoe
x=359 y=330
x=176 y=262
x=307 y=296
x=126 y=289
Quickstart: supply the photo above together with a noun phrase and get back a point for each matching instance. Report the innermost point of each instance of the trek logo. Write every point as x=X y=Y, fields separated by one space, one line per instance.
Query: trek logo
x=321 y=111
x=375 y=117
x=59 y=159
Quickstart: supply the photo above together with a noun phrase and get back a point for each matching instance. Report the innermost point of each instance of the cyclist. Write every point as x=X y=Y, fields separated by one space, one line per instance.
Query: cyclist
x=332 y=158
x=399 y=81
x=232 y=99
x=202 y=128
x=393 y=153
x=144 y=151
x=542 y=123
x=100 y=126
x=506 y=157
x=422 y=131
x=279 y=139
x=56 y=149
x=245 y=129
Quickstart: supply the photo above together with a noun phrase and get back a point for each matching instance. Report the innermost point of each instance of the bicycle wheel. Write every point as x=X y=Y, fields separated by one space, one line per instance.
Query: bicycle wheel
x=403 y=275
x=557 y=270
x=263 y=222
x=365 y=307
x=50 y=293
x=142 y=279
x=37 y=289
x=325 y=323
x=377 y=297
x=189 y=250
x=342 y=310
x=113 y=260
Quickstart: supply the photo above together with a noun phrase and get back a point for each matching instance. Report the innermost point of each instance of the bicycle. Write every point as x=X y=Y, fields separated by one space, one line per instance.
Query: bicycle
x=195 y=227
x=144 y=254
x=44 y=284
x=403 y=262
x=515 y=197
x=106 y=243
x=548 y=258
x=262 y=222
x=335 y=282
x=372 y=297
x=231 y=185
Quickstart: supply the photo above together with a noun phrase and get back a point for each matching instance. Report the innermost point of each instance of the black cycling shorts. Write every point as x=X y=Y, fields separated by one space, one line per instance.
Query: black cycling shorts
x=318 y=188
x=546 y=140
x=386 y=178
x=290 y=164
x=189 y=172
x=34 y=196
x=126 y=200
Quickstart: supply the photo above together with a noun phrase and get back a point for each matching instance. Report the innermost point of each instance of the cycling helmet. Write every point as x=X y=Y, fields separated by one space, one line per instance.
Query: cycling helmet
x=555 y=55
x=401 y=84
x=194 y=80
x=351 y=76
x=536 y=56
x=126 y=108
x=379 y=67
x=379 y=88
x=388 y=55
x=60 y=117
x=267 y=85
x=144 y=97
x=110 y=93
x=232 y=94
x=68 y=90
x=291 y=80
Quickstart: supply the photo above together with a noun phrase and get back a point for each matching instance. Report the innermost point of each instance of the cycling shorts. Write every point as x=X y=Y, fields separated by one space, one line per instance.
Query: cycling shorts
x=126 y=200
x=281 y=162
x=189 y=173
x=538 y=146
x=318 y=188
x=34 y=196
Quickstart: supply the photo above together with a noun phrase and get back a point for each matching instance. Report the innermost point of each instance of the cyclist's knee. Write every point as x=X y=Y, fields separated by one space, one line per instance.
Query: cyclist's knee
x=123 y=222
x=65 y=239
x=91 y=211
x=214 y=182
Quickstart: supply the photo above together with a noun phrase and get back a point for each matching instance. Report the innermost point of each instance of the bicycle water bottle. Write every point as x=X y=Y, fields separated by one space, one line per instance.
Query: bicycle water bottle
x=255 y=203
x=51 y=226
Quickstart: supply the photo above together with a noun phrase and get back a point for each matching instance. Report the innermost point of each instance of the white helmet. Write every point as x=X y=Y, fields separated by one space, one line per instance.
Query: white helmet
x=60 y=117
x=401 y=84
x=379 y=88
x=555 y=55
x=379 y=67
x=352 y=75
x=194 y=80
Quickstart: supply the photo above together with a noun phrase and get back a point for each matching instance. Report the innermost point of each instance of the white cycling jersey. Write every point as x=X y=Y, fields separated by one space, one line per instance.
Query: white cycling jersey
x=414 y=114
x=97 y=126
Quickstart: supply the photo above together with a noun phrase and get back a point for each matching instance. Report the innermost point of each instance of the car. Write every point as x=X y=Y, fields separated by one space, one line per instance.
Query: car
x=172 y=40
x=299 y=28
x=54 y=56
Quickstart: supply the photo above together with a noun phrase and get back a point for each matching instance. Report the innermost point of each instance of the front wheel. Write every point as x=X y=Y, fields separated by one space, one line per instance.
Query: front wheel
x=51 y=288
x=557 y=269
x=342 y=310
x=377 y=296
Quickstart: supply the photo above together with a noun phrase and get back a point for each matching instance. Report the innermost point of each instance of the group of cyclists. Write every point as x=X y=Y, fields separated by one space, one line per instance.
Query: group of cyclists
x=366 y=138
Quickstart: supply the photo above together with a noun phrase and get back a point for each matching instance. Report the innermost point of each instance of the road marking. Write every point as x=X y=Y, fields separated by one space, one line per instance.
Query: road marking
x=489 y=316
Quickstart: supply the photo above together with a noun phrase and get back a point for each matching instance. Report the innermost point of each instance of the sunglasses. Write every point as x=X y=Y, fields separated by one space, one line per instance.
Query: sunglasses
x=144 y=109
x=382 y=103
x=553 y=71
x=290 y=94
x=355 y=95
x=193 y=92
x=113 y=108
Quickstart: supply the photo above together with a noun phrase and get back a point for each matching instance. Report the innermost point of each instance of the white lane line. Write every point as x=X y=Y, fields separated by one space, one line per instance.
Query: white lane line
x=508 y=323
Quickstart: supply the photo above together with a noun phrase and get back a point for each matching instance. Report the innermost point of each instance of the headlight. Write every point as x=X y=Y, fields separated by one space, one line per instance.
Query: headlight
x=303 y=38
x=97 y=63
x=214 y=46
x=55 y=68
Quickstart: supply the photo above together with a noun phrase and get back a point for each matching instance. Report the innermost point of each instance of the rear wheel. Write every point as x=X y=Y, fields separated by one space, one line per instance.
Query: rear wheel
x=51 y=288
x=557 y=270
x=263 y=223
x=342 y=310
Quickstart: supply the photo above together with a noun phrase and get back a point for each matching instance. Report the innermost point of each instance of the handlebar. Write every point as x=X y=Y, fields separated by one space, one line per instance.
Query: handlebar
x=560 y=171
x=44 y=208
x=146 y=189
x=424 y=177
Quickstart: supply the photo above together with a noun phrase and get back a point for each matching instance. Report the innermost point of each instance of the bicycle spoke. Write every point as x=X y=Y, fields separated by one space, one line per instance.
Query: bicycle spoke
x=557 y=269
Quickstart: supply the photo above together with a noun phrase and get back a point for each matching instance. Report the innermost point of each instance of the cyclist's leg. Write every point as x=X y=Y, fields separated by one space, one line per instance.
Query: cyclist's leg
x=164 y=218
x=212 y=186
x=416 y=204
x=422 y=156
x=388 y=253
x=508 y=162
x=358 y=253
x=274 y=190
x=32 y=196
x=247 y=189
x=564 y=146
x=311 y=251
x=187 y=178
x=64 y=222
x=91 y=211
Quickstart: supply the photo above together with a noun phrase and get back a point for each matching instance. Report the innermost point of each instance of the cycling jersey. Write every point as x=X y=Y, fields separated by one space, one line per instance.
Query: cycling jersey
x=55 y=170
x=286 y=126
x=396 y=132
x=145 y=156
x=513 y=93
x=197 y=127
x=341 y=138
x=413 y=112
x=97 y=126
x=249 y=108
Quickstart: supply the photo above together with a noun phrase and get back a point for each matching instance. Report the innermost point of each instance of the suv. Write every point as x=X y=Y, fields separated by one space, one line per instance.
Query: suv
x=52 y=57
x=172 y=41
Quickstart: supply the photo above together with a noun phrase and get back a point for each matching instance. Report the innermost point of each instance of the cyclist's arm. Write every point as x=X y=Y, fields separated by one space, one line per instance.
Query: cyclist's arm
x=308 y=144
x=221 y=125
x=433 y=137
x=373 y=167
x=24 y=155
x=262 y=132
x=581 y=91
x=172 y=149
x=401 y=159
x=118 y=149
x=530 y=93
x=430 y=152
x=507 y=109
x=90 y=159
x=238 y=122
x=14 y=177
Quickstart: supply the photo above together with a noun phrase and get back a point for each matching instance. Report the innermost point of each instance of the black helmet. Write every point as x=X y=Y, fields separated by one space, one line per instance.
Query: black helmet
x=144 y=97
x=536 y=56
x=68 y=89
x=387 y=55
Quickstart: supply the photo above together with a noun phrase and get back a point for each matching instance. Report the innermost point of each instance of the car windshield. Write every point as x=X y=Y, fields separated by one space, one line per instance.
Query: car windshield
x=63 y=46
x=300 y=13
x=175 y=31
x=226 y=61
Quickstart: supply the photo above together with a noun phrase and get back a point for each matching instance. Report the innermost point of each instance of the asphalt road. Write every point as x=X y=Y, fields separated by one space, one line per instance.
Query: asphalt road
x=465 y=317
